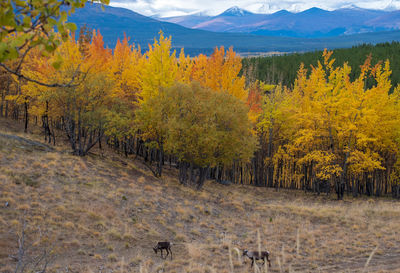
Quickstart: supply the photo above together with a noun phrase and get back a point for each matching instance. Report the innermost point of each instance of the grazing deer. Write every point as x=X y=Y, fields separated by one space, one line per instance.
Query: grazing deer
x=257 y=255
x=163 y=245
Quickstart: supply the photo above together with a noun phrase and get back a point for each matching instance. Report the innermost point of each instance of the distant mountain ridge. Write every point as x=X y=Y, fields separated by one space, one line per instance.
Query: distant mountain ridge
x=311 y=23
x=236 y=11
x=114 y=22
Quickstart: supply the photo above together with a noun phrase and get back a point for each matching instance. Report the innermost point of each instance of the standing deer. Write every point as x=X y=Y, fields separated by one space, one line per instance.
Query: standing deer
x=163 y=245
x=257 y=255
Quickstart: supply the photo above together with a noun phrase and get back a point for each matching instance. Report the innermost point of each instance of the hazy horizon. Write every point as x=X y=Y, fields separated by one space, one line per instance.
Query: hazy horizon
x=168 y=8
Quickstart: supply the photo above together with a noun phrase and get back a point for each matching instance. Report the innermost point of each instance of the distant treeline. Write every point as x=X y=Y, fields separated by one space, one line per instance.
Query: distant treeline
x=283 y=69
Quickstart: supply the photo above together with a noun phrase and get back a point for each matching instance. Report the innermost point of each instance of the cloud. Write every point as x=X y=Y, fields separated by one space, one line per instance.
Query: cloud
x=181 y=7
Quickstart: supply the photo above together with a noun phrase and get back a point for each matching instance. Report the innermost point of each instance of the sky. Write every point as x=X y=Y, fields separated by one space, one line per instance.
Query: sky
x=166 y=8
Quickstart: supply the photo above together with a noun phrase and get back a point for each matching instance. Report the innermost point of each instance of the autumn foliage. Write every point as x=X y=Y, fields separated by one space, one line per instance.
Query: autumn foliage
x=198 y=114
x=193 y=110
x=331 y=131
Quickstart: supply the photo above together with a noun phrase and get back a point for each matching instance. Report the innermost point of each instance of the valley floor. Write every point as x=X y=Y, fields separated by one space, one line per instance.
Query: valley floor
x=104 y=213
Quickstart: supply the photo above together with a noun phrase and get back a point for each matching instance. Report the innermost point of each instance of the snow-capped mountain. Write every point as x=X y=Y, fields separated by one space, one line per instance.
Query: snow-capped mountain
x=393 y=5
x=313 y=22
x=236 y=11
x=115 y=23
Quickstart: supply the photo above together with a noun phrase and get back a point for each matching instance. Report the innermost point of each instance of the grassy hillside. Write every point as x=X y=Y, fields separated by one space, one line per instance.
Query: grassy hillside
x=103 y=213
x=284 y=68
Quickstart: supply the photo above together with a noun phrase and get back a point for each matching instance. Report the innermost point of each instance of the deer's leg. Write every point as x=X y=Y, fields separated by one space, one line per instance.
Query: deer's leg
x=167 y=253
x=161 y=253
x=252 y=262
x=170 y=251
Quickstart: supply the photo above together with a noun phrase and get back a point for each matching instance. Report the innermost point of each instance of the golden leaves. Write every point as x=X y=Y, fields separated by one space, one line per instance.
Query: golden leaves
x=327 y=121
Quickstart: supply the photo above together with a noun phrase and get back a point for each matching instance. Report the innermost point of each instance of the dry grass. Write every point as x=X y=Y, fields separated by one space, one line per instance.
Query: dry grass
x=100 y=214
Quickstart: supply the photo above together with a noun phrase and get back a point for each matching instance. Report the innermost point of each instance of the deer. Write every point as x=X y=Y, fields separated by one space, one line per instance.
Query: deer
x=163 y=245
x=257 y=255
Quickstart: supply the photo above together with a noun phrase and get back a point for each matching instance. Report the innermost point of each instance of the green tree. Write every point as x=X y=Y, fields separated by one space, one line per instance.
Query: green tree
x=199 y=126
x=25 y=25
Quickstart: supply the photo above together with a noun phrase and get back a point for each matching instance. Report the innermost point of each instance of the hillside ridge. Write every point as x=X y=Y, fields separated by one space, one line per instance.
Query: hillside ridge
x=342 y=21
x=105 y=212
x=114 y=23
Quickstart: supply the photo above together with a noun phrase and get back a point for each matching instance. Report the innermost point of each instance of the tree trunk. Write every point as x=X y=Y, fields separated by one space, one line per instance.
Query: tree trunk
x=3 y=95
x=202 y=177
x=99 y=136
x=92 y=143
x=6 y=112
x=26 y=115
x=183 y=166
x=160 y=159
x=343 y=178
x=70 y=130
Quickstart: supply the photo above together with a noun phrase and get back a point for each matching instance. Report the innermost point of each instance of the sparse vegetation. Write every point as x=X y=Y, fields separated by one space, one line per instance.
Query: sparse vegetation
x=303 y=232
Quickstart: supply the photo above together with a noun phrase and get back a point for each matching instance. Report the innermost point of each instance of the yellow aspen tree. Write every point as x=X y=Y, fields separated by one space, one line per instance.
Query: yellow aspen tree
x=124 y=68
x=220 y=72
x=159 y=69
x=185 y=68
x=83 y=108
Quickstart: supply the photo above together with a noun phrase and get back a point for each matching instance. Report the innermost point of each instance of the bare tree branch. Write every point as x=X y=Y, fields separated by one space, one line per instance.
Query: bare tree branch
x=69 y=84
x=36 y=259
